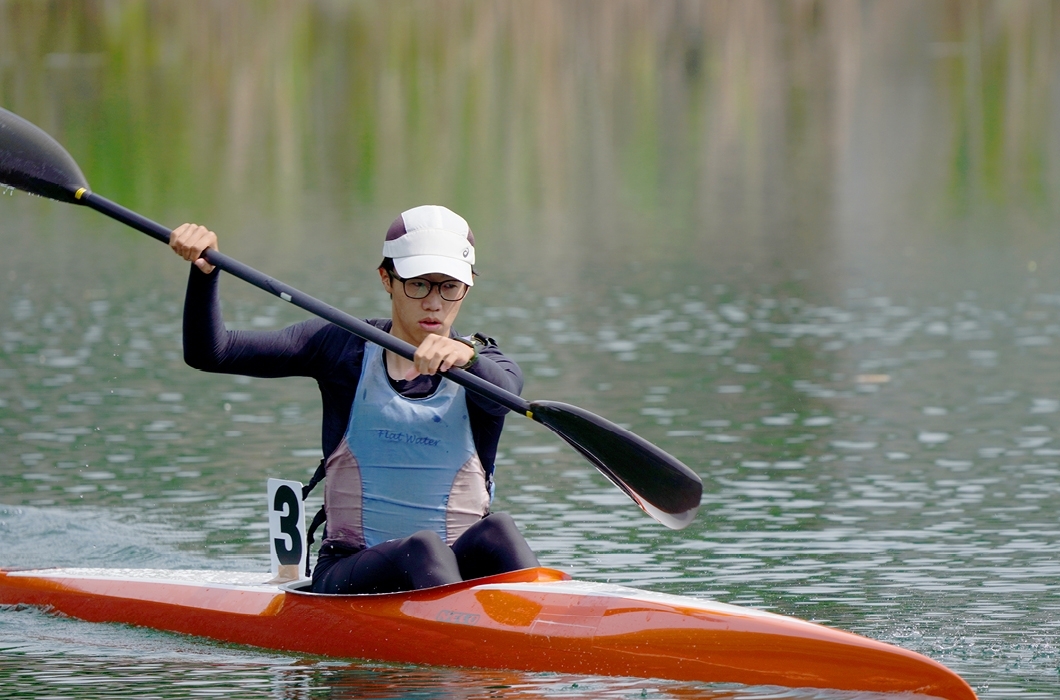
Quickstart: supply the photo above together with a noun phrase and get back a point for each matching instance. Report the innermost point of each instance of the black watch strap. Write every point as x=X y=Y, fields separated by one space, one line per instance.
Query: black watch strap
x=474 y=345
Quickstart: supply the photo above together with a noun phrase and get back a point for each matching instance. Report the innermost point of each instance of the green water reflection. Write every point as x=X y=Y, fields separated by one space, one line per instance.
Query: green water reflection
x=807 y=247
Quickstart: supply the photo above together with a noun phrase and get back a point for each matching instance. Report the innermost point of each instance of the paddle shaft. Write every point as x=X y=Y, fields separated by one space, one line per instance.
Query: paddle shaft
x=358 y=327
x=660 y=484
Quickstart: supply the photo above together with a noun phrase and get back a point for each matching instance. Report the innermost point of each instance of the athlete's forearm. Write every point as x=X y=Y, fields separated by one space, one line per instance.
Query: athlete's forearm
x=211 y=347
x=204 y=327
x=501 y=371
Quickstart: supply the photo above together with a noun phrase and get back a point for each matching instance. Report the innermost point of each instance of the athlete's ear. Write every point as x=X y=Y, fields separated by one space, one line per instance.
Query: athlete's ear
x=384 y=277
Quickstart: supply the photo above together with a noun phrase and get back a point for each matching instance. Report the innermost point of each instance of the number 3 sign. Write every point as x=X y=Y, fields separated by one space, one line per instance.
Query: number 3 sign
x=286 y=530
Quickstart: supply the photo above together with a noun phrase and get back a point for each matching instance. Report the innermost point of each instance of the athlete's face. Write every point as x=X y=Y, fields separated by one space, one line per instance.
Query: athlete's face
x=415 y=319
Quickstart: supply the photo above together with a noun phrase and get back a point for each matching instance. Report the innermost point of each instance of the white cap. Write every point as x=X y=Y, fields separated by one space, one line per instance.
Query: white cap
x=431 y=239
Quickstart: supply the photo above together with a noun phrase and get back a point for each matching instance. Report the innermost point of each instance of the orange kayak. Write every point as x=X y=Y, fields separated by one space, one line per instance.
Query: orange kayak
x=531 y=620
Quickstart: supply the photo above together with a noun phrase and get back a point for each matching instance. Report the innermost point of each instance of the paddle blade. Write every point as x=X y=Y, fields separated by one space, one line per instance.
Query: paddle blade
x=658 y=482
x=31 y=160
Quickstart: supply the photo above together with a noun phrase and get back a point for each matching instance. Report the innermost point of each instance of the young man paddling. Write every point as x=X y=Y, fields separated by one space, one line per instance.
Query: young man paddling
x=409 y=455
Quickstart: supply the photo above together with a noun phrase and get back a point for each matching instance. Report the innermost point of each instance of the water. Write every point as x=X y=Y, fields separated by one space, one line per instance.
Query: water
x=808 y=248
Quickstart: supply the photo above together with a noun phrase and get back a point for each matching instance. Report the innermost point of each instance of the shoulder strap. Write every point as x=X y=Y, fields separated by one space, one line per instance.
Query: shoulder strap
x=318 y=476
x=320 y=517
x=318 y=520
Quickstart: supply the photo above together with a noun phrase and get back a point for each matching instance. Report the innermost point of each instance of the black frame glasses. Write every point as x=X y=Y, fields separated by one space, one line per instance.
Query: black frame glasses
x=419 y=288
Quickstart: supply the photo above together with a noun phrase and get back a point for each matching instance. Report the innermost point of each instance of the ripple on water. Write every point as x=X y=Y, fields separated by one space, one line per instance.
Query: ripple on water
x=927 y=504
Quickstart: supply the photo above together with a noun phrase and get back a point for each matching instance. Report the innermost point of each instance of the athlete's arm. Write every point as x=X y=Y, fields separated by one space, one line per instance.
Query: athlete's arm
x=190 y=241
x=499 y=370
x=439 y=354
x=304 y=349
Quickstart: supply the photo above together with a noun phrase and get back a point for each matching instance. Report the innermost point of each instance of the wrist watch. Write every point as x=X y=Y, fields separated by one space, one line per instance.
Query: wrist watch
x=474 y=344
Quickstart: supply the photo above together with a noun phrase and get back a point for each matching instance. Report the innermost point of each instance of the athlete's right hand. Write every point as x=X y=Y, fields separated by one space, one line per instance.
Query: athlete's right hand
x=189 y=241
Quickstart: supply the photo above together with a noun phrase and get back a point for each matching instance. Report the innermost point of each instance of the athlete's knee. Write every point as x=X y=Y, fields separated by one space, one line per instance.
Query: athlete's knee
x=496 y=527
x=499 y=520
x=427 y=560
x=492 y=546
x=425 y=544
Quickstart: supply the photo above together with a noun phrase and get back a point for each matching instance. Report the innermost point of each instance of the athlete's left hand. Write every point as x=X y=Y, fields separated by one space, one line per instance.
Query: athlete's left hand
x=439 y=354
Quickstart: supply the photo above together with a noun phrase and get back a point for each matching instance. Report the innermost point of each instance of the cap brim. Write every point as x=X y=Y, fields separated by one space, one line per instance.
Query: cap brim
x=419 y=265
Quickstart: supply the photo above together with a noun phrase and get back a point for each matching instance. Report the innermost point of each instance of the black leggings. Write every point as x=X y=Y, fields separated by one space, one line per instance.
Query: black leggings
x=493 y=545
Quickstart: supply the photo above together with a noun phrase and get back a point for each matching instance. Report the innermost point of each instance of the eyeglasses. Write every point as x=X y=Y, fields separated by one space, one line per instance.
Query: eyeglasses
x=419 y=288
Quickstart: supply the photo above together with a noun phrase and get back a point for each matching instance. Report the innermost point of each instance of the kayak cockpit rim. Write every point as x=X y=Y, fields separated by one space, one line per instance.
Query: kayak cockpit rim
x=540 y=574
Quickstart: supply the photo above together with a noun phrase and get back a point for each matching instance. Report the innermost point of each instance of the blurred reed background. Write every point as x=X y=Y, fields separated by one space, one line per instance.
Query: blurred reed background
x=808 y=247
x=749 y=129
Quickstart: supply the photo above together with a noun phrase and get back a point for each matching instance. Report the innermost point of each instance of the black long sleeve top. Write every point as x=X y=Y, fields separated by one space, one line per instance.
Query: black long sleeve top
x=332 y=356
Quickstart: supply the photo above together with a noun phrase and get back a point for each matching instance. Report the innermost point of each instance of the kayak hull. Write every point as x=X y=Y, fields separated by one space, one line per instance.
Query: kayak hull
x=530 y=620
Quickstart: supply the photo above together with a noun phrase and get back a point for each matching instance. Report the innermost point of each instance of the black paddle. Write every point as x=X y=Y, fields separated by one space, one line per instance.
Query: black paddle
x=661 y=485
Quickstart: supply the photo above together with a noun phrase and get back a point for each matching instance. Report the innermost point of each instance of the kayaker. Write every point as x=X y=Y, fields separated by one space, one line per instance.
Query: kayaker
x=409 y=456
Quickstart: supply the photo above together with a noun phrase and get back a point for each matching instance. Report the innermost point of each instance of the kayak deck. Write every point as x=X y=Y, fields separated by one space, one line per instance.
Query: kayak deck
x=530 y=620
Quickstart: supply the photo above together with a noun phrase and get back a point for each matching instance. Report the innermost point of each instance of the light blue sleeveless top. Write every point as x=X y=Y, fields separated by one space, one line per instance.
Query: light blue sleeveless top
x=404 y=464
